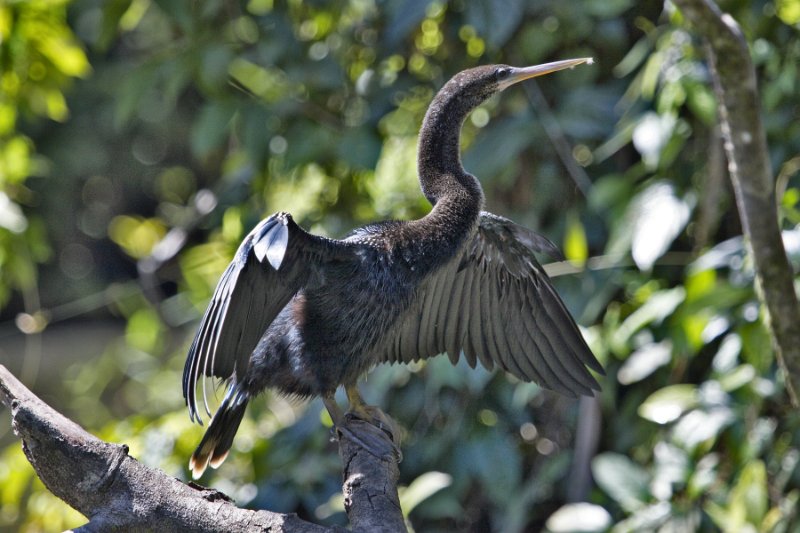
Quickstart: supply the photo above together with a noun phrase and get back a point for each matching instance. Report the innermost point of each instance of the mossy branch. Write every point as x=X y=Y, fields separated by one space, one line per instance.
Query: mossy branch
x=745 y=144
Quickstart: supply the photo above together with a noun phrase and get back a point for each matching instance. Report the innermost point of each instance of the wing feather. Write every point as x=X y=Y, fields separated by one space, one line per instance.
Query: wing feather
x=571 y=367
x=476 y=333
x=468 y=304
x=451 y=323
x=496 y=321
x=273 y=262
x=438 y=314
x=549 y=358
x=425 y=339
x=528 y=352
x=408 y=343
x=495 y=304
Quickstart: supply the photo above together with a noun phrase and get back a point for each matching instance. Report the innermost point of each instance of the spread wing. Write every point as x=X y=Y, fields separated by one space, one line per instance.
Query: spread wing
x=273 y=262
x=495 y=304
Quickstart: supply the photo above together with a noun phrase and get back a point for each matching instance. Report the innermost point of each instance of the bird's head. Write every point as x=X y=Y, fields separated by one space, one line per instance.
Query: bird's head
x=477 y=84
x=440 y=133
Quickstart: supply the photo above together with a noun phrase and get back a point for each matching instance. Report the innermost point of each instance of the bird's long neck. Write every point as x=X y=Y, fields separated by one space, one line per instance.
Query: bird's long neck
x=441 y=175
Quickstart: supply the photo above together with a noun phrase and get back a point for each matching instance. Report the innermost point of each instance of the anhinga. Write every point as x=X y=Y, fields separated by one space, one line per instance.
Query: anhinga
x=304 y=314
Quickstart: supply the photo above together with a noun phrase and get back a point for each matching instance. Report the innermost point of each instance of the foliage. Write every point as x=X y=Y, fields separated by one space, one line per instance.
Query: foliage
x=196 y=119
x=38 y=58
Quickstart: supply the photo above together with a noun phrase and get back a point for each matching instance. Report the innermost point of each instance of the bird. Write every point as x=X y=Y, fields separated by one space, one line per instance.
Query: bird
x=303 y=314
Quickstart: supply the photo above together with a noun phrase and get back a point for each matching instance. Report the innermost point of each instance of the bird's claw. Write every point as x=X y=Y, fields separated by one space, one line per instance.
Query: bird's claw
x=373 y=426
x=374 y=416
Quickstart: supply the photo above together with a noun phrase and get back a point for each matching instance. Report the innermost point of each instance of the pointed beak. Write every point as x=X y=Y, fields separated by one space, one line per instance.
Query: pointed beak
x=524 y=73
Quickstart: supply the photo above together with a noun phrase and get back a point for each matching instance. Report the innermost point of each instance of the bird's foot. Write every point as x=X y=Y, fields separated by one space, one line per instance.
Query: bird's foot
x=371 y=434
x=367 y=426
x=376 y=417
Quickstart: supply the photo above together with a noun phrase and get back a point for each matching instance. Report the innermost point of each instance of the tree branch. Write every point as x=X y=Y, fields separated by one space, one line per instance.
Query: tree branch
x=117 y=492
x=753 y=183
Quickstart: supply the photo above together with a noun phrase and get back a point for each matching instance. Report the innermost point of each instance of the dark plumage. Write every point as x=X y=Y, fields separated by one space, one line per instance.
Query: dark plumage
x=304 y=315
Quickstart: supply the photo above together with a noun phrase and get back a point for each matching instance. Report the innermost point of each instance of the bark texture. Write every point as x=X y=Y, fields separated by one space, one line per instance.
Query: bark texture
x=118 y=493
x=753 y=183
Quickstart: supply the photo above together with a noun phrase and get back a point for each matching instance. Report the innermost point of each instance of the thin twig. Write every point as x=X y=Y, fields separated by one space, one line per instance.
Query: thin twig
x=557 y=137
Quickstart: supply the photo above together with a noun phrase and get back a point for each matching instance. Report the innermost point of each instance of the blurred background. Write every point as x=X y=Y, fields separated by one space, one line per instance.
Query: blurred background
x=140 y=140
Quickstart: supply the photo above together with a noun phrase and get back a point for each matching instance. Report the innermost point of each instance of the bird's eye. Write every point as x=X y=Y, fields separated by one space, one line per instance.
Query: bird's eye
x=503 y=73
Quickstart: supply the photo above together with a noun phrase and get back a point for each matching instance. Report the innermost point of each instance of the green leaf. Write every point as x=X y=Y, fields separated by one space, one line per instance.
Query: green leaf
x=644 y=361
x=495 y=460
x=658 y=217
x=703 y=477
x=727 y=355
x=608 y=9
x=671 y=470
x=359 y=147
x=659 y=306
x=136 y=235
x=579 y=518
x=215 y=60
x=699 y=426
x=749 y=496
x=648 y=518
x=789 y=11
x=495 y=20
x=612 y=191
x=11 y=216
x=576 y=247
x=651 y=135
x=113 y=10
x=130 y=95
x=756 y=345
x=702 y=102
x=722 y=255
x=65 y=54
x=781 y=516
x=497 y=144
x=637 y=54
x=623 y=480
x=721 y=517
x=180 y=12
x=737 y=378
x=211 y=127
x=651 y=73
x=668 y=404
x=404 y=15
x=699 y=283
x=307 y=142
x=144 y=330
x=394 y=187
x=421 y=489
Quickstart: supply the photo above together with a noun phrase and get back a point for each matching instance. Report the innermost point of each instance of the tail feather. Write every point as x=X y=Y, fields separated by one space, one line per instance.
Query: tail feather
x=217 y=441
